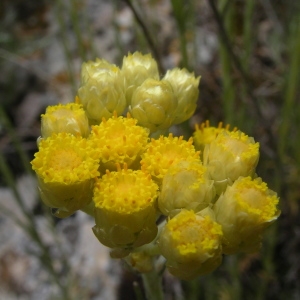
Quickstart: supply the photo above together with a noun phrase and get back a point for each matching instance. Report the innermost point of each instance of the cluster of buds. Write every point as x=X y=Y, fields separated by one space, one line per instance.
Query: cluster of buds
x=190 y=201
x=136 y=87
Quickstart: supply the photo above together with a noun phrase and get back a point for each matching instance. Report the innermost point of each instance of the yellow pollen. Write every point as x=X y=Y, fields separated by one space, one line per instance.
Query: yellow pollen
x=194 y=234
x=65 y=159
x=125 y=191
x=254 y=197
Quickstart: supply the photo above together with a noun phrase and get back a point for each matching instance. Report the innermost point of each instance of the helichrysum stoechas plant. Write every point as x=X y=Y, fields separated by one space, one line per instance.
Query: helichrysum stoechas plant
x=154 y=200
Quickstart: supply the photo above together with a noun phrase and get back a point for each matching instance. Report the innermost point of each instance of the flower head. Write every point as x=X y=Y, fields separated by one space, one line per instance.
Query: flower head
x=101 y=91
x=154 y=104
x=185 y=185
x=229 y=156
x=66 y=167
x=136 y=69
x=191 y=243
x=185 y=87
x=125 y=211
x=244 y=211
x=69 y=118
x=119 y=140
x=164 y=152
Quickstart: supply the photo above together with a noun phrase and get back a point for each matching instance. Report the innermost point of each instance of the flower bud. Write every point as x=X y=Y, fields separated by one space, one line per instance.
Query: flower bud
x=94 y=69
x=102 y=91
x=191 y=244
x=185 y=87
x=136 y=69
x=119 y=140
x=229 y=156
x=125 y=213
x=66 y=168
x=186 y=185
x=164 y=152
x=244 y=211
x=154 y=105
x=69 y=118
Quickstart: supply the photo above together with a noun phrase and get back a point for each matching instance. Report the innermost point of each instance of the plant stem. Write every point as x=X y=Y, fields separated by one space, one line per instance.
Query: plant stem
x=153 y=285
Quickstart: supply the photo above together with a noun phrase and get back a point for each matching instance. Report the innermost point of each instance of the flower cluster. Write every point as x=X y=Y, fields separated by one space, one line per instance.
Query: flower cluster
x=190 y=201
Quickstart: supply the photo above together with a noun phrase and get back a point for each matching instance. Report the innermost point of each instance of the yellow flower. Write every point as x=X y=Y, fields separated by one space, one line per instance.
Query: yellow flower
x=66 y=167
x=164 y=152
x=186 y=185
x=154 y=104
x=205 y=134
x=101 y=91
x=125 y=211
x=191 y=244
x=185 y=87
x=229 y=156
x=119 y=140
x=136 y=69
x=69 y=118
x=244 y=211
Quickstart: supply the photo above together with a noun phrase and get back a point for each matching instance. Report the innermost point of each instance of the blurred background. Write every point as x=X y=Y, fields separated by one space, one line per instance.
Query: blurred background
x=248 y=56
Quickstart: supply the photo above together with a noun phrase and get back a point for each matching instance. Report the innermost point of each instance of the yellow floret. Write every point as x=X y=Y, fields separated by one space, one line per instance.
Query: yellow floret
x=164 y=152
x=205 y=134
x=66 y=167
x=65 y=158
x=192 y=234
x=125 y=191
x=119 y=140
x=125 y=208
x=191 y=244
x=254 y=197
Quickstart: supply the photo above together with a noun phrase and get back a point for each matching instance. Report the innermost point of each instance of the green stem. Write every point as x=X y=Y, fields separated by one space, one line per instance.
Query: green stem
x=153 y=285
x=89 y=209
